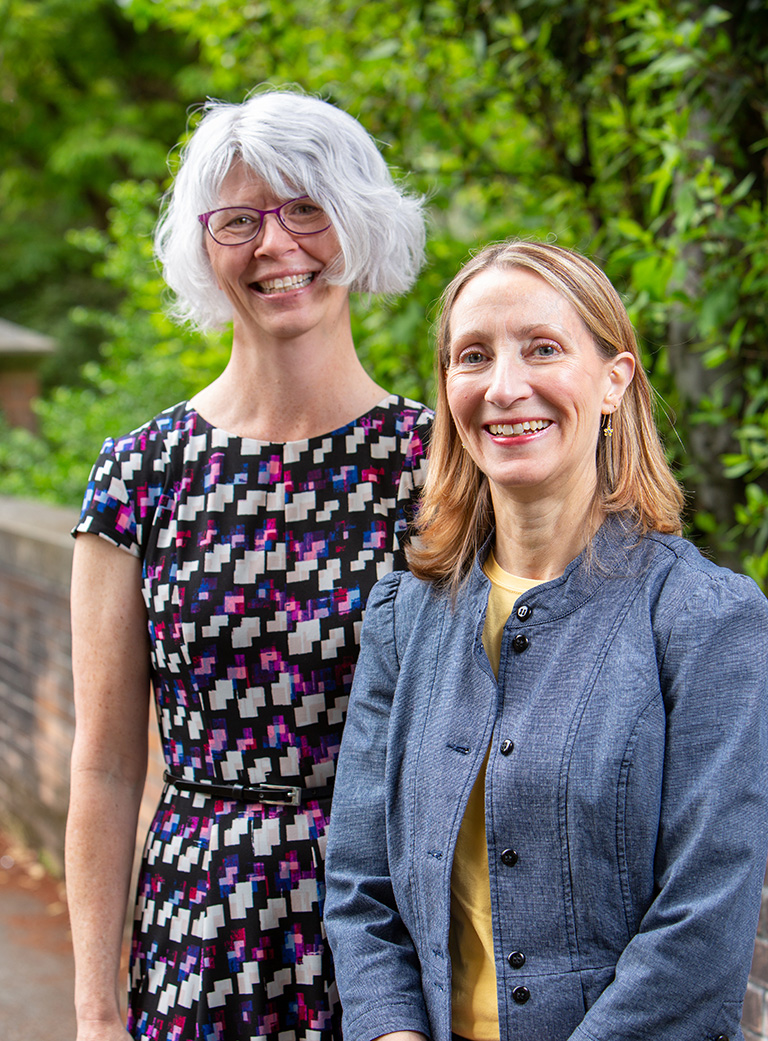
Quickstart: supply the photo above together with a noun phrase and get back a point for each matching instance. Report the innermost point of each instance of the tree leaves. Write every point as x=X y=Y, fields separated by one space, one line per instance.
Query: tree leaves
x=633 y=132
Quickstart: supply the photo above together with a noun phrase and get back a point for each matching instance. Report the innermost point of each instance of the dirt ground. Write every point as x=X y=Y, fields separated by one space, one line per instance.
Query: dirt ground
x=36 y=967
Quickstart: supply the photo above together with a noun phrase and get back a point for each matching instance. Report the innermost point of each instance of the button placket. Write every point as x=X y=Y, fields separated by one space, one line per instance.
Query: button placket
x=510 y=857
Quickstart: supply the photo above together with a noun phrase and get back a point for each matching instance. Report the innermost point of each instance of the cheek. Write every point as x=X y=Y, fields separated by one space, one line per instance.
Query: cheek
x=457 y=398
x=465 y=404
x=578 y=394
x=328 y=248
x=216 y=268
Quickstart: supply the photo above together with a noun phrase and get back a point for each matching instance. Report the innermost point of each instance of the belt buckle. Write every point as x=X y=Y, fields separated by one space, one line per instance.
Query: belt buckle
x=289 y=796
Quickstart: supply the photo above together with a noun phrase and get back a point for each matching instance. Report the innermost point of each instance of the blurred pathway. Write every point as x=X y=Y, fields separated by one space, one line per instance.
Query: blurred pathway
x=36 y=973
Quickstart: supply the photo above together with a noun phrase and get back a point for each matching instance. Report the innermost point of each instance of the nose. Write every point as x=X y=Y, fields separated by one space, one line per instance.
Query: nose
x=508 y=381
x=273 y=238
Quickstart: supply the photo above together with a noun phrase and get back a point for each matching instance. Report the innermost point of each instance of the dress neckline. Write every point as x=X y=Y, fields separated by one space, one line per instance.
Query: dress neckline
x=386 y=402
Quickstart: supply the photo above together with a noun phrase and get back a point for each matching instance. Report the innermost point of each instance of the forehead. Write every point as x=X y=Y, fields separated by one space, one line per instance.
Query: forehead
x=513 y=295
x=241 y=184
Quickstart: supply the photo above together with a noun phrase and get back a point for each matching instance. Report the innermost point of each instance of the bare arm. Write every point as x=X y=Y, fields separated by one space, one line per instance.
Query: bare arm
x=110 y=657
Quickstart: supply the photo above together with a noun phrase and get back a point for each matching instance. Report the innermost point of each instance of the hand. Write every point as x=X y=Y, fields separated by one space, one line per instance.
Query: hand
x=402 y=1035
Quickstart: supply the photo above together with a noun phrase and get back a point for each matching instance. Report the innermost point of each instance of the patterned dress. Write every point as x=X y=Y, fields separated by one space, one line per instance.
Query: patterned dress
x=257 y=562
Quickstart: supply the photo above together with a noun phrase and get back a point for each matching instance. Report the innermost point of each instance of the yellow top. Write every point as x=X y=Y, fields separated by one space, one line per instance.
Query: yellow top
x=473 y=990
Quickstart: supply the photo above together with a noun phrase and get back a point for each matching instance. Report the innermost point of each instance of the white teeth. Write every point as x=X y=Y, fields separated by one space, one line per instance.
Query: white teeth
x=279 y=285
x=526 y=427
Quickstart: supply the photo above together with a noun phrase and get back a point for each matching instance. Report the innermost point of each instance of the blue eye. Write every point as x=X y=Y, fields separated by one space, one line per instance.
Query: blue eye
x=472 y=357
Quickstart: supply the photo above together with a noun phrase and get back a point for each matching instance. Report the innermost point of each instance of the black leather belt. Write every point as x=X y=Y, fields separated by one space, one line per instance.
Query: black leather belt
x=283 y=794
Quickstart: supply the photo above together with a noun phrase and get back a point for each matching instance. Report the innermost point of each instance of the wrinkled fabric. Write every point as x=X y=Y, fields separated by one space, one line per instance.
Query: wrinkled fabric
x=626 y=798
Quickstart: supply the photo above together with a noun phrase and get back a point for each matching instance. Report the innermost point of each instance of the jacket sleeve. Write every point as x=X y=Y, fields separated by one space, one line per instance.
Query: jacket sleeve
x=377 y=968
x=683 y=976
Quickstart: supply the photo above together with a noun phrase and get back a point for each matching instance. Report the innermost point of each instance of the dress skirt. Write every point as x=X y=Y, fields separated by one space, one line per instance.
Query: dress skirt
x=228 y=931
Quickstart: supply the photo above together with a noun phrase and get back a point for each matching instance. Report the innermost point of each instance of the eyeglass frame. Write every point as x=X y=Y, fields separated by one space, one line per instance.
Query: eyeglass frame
x=205 y=217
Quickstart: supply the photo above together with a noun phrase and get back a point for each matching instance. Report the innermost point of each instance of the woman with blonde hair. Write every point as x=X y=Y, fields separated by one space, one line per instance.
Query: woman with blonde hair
x=551 y=806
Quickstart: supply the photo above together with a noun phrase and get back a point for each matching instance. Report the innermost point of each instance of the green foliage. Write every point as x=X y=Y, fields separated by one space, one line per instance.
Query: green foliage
x=145 y=363
x=631 y=131
x=86 y=100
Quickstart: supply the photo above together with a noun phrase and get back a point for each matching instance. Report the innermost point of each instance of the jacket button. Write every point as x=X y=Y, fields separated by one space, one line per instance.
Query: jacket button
x=509 y=857
x=519 y=643
x=722 y=1037
x=523 y=612
x=516 y=959
x=521 y=995
x=506 y=746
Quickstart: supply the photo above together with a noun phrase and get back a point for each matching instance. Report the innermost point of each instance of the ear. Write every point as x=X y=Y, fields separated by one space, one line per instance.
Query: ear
x=621 y=371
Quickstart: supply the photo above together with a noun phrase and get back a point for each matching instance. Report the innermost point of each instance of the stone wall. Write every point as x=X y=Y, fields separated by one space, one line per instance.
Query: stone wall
x=37 y=716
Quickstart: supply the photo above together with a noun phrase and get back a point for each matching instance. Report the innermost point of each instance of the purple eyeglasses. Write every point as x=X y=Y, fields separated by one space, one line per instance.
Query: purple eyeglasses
x=233 y=225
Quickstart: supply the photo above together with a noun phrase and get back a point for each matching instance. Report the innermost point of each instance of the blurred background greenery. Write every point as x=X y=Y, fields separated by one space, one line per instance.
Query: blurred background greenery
x=636 y=132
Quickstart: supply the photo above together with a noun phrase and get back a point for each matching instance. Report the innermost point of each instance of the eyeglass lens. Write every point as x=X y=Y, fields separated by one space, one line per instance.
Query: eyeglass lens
x=231 y=225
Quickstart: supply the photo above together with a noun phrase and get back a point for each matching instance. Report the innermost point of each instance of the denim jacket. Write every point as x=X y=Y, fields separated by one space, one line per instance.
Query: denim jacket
x=626 y=798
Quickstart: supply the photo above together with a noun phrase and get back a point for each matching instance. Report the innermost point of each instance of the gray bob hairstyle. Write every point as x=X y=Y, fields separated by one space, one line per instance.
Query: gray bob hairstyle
x=298 y=145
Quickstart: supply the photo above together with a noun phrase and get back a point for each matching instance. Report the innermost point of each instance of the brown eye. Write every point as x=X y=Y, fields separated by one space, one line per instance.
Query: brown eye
x=241 y=220
x=305 y=209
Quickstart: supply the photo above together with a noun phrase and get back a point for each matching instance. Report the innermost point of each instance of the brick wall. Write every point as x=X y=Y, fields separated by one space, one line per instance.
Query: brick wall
x=37 y=717
x=36 y=710
x=18 y=389
x=36 y=714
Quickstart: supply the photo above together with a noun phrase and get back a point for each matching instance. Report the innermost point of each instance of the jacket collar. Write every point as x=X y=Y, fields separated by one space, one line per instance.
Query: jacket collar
x=605 y=559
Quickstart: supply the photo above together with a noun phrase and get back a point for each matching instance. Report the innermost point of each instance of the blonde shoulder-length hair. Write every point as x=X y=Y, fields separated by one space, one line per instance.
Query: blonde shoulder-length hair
x=633 y=478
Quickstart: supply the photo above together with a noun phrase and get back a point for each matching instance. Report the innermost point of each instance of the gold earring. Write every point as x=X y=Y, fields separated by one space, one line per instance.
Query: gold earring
x=608 y=427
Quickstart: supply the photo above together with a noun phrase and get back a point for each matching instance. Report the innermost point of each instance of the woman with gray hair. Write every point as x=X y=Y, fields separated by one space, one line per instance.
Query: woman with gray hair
x=224 y=555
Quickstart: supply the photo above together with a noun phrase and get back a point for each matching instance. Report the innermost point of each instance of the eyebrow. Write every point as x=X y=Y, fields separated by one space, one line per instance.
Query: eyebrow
x=541 y=328
x=470 y=333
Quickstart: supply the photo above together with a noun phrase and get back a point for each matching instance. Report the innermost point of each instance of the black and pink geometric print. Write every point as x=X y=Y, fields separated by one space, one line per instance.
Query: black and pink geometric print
x=257 y=560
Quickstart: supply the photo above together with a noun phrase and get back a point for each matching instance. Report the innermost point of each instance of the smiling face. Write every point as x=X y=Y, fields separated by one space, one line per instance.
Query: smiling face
x=275 y=282
x=527 y=386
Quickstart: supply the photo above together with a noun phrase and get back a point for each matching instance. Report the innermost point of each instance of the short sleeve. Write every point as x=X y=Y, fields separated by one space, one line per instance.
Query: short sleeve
x=108 y=509
x=130 y=477
x=415 y=427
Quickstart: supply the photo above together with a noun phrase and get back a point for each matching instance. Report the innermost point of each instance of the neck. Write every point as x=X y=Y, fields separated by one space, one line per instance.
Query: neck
x=539 y=539
x=289 y=390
